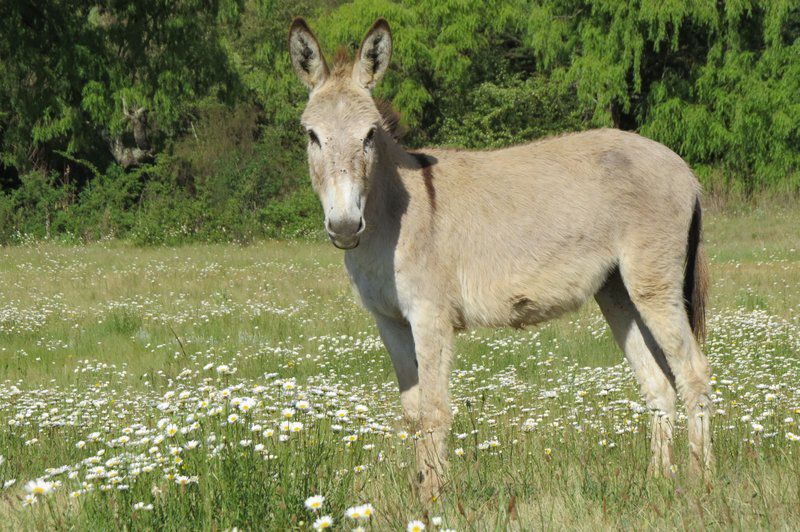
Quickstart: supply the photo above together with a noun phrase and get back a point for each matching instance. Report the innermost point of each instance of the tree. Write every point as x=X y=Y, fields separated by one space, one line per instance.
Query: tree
x=715 y=81
x=124 y=76
x=159 y=118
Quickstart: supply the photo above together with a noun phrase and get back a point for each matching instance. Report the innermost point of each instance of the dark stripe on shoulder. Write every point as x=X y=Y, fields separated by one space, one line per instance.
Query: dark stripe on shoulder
x=427 y=175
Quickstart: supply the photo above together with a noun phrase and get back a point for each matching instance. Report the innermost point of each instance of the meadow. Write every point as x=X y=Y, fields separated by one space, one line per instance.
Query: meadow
x=219 y=386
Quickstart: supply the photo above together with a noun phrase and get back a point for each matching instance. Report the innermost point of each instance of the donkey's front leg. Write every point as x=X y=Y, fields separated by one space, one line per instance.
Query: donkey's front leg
x=397 y=337
x=433 y=339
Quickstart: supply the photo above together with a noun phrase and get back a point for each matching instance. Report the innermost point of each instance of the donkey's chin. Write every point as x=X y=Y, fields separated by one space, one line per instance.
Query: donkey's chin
x=345 y=243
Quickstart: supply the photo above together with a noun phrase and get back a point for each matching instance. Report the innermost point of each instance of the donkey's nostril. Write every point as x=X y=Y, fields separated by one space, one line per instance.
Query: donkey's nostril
x=344 y=227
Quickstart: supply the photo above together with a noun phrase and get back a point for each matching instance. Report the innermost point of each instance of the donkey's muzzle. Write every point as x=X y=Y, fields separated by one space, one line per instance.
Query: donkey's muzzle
x=345 y=233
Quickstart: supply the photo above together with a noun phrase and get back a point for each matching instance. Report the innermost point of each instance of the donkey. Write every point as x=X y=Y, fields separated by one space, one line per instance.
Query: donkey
x=440 y=240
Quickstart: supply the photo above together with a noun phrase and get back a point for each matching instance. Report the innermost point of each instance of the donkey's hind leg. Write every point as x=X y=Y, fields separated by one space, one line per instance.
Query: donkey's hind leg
x=649 y=366
x=655 y=285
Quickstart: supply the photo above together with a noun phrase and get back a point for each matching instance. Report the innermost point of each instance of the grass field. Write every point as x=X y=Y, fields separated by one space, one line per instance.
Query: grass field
x=215 y=387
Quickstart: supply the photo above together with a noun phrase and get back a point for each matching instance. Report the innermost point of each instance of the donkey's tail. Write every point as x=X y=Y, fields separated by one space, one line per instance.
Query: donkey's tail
x=695 y=281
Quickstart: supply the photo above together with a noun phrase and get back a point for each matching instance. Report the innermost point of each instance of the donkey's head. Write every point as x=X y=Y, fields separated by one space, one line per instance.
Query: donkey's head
x=344 y=125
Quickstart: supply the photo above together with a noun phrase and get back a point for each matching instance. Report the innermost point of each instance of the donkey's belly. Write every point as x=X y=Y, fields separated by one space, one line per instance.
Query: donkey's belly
x=519 y=309
x=527 y=298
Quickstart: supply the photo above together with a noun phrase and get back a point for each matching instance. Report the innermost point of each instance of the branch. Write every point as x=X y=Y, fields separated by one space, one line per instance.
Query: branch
x=129 y=156
x=125 y=156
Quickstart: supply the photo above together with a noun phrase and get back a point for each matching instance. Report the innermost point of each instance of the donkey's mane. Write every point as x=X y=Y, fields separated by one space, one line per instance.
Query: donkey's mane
x=390 y=117
x=342 y=63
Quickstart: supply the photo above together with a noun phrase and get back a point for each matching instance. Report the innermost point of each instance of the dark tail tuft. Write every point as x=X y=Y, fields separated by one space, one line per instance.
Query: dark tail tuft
x=695 y=281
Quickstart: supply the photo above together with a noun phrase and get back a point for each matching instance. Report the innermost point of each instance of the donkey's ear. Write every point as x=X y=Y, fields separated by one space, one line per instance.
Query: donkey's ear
x=374 y=55
x=306 y=55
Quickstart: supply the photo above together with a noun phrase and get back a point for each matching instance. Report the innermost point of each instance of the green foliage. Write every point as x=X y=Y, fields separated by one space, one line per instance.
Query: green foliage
x=107 y=206
x=299 y=214
x=41 y=207
x=70 y=70
x=510 y=112
x=742 y=114
x=717 y=82
x=215 y=152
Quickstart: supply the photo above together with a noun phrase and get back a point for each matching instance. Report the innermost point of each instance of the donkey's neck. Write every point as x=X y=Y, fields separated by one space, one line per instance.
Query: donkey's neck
x=388 y=196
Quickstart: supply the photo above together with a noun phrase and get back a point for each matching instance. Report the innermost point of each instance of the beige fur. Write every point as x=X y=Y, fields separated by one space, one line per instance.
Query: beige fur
x=443 y=240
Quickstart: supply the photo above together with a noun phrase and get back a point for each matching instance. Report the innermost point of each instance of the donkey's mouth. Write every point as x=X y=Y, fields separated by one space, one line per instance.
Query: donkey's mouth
x=345 y=243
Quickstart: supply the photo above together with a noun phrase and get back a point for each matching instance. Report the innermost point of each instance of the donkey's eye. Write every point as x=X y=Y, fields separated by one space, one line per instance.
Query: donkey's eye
x=313 y=138
x=369 y=139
